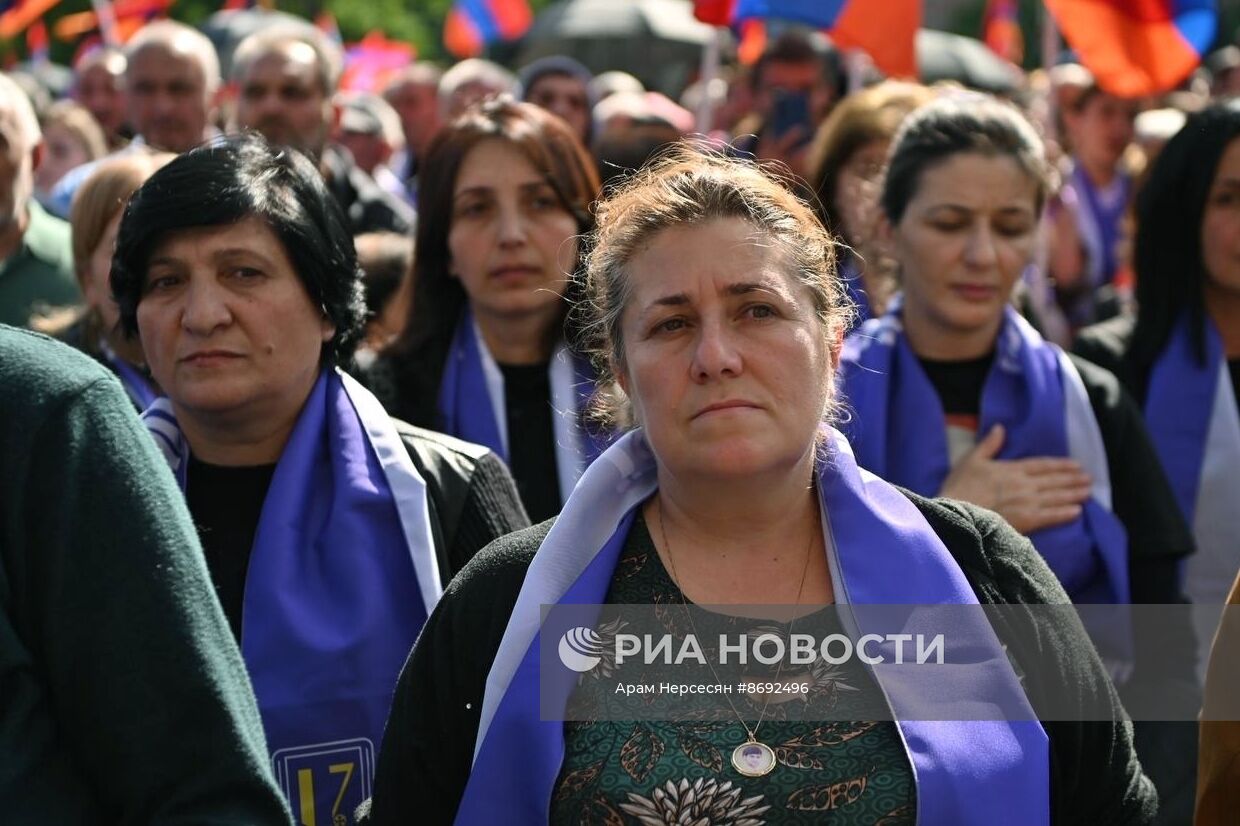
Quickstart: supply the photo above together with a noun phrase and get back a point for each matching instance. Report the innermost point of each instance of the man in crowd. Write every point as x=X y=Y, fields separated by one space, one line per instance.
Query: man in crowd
x=99 y=85
x=414 y=94
x=370 y=129
x=36 y=262
x=286 y=77
x=172 y=79
x=470 y=81
x=795 y=84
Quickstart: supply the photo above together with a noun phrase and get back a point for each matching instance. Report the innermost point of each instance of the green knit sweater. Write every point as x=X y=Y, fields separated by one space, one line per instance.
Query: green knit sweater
x=123 y=698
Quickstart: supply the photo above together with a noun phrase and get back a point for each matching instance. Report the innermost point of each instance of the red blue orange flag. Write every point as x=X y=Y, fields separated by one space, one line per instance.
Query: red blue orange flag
x=472 y=24
x=1001 y=30
x=21 y=14
x=887 y=31
x=369 y=63
x=1137 y=47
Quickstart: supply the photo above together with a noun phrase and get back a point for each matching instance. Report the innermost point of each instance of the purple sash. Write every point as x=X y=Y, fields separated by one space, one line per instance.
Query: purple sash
x=899 y=432
x=1178 y=405
x=978 y=772
x=850 y=274
x=140 y=391
x=1105 y=218
x=467 y=411
x=341 y=578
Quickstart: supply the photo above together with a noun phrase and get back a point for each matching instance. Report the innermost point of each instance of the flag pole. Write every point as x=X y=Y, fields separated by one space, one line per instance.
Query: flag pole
x=1050 y=57
x=1055 y=325
x=706 y=79
x=107 y=21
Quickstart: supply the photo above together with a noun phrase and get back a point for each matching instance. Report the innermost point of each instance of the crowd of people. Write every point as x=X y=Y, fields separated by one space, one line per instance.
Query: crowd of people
x=324 y=395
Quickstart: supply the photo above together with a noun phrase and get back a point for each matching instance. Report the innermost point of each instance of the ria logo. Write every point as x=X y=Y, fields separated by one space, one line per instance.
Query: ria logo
x=581 y=648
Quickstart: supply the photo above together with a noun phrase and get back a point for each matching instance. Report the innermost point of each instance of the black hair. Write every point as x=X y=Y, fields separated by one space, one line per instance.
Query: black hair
x=229 y=180
x=1167 y=250
x=948 y=126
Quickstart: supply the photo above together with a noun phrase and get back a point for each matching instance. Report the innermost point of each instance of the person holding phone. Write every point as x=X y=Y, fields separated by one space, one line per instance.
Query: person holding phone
x=794 y=85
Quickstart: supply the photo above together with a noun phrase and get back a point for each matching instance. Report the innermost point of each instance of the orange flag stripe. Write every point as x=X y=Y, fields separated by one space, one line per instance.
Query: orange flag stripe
x=18 y=19
x=887 y=31
x=1129 y=57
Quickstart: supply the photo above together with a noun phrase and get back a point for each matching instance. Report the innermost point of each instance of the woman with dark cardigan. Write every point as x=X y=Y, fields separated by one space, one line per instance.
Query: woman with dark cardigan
x=1180 y=356
x=487 y=354
x=719 y=316
x=329 y=528
x=954 y=394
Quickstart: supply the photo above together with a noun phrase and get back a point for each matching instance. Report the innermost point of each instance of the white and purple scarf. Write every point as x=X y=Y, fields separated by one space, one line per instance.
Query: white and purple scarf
x=1190 y=410
x=472 y=407
x=342 y=576
x=900 y=432
x=139 y=389
x=969 y=772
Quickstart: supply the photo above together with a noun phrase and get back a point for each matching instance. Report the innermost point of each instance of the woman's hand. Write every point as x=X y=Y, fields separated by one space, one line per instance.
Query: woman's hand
x=1030 y=494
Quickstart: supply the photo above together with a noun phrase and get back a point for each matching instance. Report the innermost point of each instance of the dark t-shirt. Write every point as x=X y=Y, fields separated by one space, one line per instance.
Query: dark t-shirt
x=959 y=387
x=226 y=503
x=1234 y=366
x=531 y=438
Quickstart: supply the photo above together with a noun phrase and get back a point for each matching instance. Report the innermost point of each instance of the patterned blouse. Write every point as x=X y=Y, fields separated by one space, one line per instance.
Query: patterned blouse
x=655 y=773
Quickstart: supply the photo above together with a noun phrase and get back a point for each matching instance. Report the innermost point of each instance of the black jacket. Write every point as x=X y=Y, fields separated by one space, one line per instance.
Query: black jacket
x=470 y=493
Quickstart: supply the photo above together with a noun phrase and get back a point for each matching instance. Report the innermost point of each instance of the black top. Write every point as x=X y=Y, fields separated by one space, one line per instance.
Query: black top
x=531 y=438
x=226 y=503
x=427 y=750
x=471 y=500
x=1106 y=344
x=959 y=383
x=368 y=206
x=1233 y=366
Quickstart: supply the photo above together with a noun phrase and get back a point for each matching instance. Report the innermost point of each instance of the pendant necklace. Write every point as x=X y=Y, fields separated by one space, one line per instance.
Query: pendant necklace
x=752 y=758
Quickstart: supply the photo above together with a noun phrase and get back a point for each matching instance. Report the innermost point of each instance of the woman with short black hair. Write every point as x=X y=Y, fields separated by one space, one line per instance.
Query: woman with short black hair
x=329 y=528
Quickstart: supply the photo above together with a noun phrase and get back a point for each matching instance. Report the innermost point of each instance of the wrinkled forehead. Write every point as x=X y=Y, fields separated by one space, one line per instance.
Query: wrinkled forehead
x=291 y=59
x=163 y=61
x=688 y=264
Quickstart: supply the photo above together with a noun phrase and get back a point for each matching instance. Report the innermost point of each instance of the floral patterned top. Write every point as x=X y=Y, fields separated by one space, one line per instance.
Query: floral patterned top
x=655 y=773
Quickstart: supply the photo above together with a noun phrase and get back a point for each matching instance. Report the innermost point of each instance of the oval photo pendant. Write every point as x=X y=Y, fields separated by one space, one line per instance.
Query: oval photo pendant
x=753 y=759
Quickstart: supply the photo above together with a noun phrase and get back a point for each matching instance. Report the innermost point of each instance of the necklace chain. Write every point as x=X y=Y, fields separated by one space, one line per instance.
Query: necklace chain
x=684 y=603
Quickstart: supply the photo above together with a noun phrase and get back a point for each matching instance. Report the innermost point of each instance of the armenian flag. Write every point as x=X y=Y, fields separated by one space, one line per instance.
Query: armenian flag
x=472 y=24
x=886 y=30
x=16 y=17
x=1001 y=30
x=1137 y=47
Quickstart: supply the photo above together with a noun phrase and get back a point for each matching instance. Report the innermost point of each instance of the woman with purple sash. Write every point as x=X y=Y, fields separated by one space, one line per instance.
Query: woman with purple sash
x=488 y=352
x=329 y=528
x=1099 y=127
x=953 y=394
x=719 y=318
x=1180 y=355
